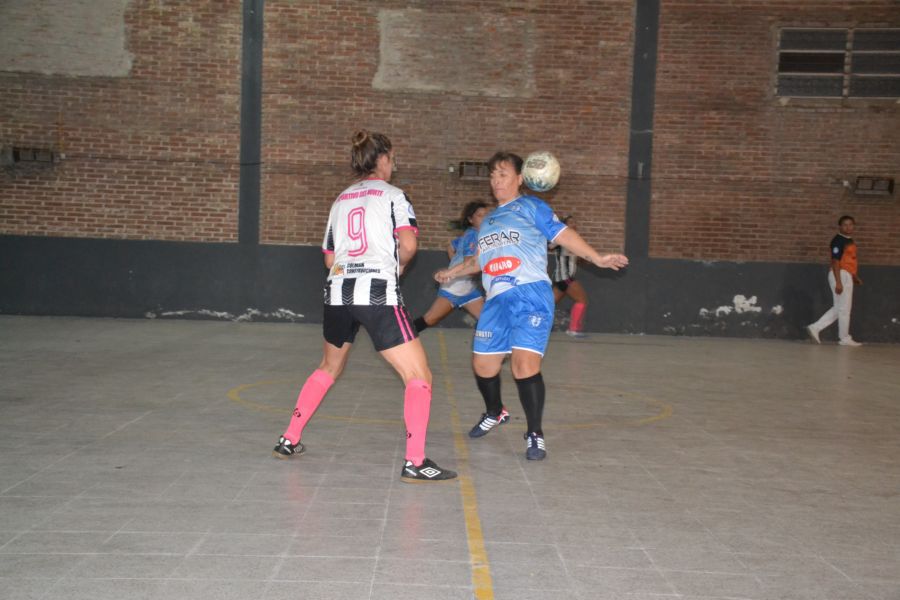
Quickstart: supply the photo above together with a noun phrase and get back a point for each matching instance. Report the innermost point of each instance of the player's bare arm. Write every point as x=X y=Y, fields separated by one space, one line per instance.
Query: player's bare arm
x=407 y=244
x=468 y=267
x=572 y=241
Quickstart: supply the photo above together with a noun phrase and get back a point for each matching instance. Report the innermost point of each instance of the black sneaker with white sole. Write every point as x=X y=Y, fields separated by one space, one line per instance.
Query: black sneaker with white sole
x=488 y=422
x=287 y=449
x=427 y=471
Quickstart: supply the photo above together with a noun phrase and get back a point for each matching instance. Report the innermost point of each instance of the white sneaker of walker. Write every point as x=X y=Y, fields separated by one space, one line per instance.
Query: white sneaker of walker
x=849 y=342
x=813 y=334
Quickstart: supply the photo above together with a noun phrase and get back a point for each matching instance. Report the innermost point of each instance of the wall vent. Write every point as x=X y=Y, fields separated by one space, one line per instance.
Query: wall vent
x=874 y=186
x=19 y=156
x=474 y=170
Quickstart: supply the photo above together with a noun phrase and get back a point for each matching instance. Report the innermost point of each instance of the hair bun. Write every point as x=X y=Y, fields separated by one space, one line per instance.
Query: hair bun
x=360 y=138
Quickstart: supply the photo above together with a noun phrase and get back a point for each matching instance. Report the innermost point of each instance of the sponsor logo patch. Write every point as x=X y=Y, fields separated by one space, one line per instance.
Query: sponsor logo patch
x=430 y=472
x=502 y=265
x=498 y=239
x=503 y=279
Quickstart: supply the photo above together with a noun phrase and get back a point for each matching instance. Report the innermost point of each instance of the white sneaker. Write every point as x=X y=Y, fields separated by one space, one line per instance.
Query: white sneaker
x=849 y=342
x=813 y=334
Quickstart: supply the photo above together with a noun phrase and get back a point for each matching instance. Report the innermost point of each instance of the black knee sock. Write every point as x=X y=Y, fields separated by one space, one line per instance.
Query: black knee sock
x=420 y=324
x=490 y=391
x=531 y=394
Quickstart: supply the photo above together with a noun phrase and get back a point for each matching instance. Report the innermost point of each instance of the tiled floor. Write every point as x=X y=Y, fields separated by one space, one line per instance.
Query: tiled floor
x=135 y=463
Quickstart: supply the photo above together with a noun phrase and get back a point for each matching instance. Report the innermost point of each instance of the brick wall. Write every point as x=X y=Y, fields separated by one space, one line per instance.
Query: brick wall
x=149 y=152
x=153 y=153
x=454 y=81
x=739 y=175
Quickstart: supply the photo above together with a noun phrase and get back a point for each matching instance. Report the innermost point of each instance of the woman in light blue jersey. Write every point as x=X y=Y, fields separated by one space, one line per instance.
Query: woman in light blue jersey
x=462 y=292
x=518 y=311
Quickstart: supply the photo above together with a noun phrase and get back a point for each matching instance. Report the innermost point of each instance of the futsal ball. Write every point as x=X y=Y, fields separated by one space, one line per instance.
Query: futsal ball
x=540 y=171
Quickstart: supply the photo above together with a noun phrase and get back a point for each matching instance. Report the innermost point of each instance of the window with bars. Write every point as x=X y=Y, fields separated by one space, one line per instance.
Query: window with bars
x=839 y=63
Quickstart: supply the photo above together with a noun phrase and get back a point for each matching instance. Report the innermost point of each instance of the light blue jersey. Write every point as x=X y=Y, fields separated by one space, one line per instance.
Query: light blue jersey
x=512 y=244
x=464 y=246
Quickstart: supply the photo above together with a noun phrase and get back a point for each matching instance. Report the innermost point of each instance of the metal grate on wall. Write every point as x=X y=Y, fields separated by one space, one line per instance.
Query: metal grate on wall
x=838 y=63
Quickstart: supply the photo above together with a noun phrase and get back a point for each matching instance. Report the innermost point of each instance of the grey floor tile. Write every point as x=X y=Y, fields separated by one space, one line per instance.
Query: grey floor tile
x=310 y=590
x=259 y=568
x=93 y=514
x=366 y=531
x=794 y=587
x=507 y=552
x=438 y=528
x=396 y=545
x=388 y=591
x=548 y=573
x=400 y=571
x=206 y=589
x=693 y=558
x=319 y=509
x=520 y=593
x=151 y=543
x=619 y=581
x=177 y=517
x=869 y=566
x=605 y=555
x=242 y=544
x=130 y=566
x=15 y=588
x=878 y=590
x=323 y=545
x=56 y=542
x=24 y=512
x=328 y=568
x=798 y=565
x=102 y=589
x=704 y=583
x=39 y=566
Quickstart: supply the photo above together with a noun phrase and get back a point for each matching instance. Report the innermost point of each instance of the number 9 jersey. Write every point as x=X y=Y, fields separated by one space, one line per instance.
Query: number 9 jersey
x=362 y=235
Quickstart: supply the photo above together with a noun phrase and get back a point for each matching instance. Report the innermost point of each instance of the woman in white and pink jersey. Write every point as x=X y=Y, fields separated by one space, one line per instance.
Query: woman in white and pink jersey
x=565 y=284
x=369 y=239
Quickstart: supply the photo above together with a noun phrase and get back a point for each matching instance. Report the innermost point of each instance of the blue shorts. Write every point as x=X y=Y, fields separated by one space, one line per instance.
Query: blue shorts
x=519 y=318
x=458 y=301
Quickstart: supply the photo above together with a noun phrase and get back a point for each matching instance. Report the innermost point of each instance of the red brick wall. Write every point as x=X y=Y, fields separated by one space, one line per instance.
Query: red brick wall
x=152 y=155
x=739 y=175
x=320 y=64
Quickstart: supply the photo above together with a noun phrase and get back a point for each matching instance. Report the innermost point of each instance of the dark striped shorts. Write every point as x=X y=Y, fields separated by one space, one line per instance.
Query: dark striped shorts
x=388 y=326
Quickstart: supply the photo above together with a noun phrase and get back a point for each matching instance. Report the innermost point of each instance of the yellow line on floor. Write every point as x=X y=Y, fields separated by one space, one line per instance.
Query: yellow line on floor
x=481 y=568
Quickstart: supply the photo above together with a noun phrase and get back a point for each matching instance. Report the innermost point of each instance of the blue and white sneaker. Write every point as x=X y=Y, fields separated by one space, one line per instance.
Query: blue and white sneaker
x=488 y=422
x=534 y=446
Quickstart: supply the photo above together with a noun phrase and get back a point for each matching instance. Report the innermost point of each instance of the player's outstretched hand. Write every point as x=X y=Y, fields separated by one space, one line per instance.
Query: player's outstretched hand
x=441 y=276
x=613 y=261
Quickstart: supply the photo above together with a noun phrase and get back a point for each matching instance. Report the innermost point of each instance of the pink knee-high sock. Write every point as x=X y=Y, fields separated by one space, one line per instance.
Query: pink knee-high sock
x=577 y=321
x=416 y=408
x=308 y=401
